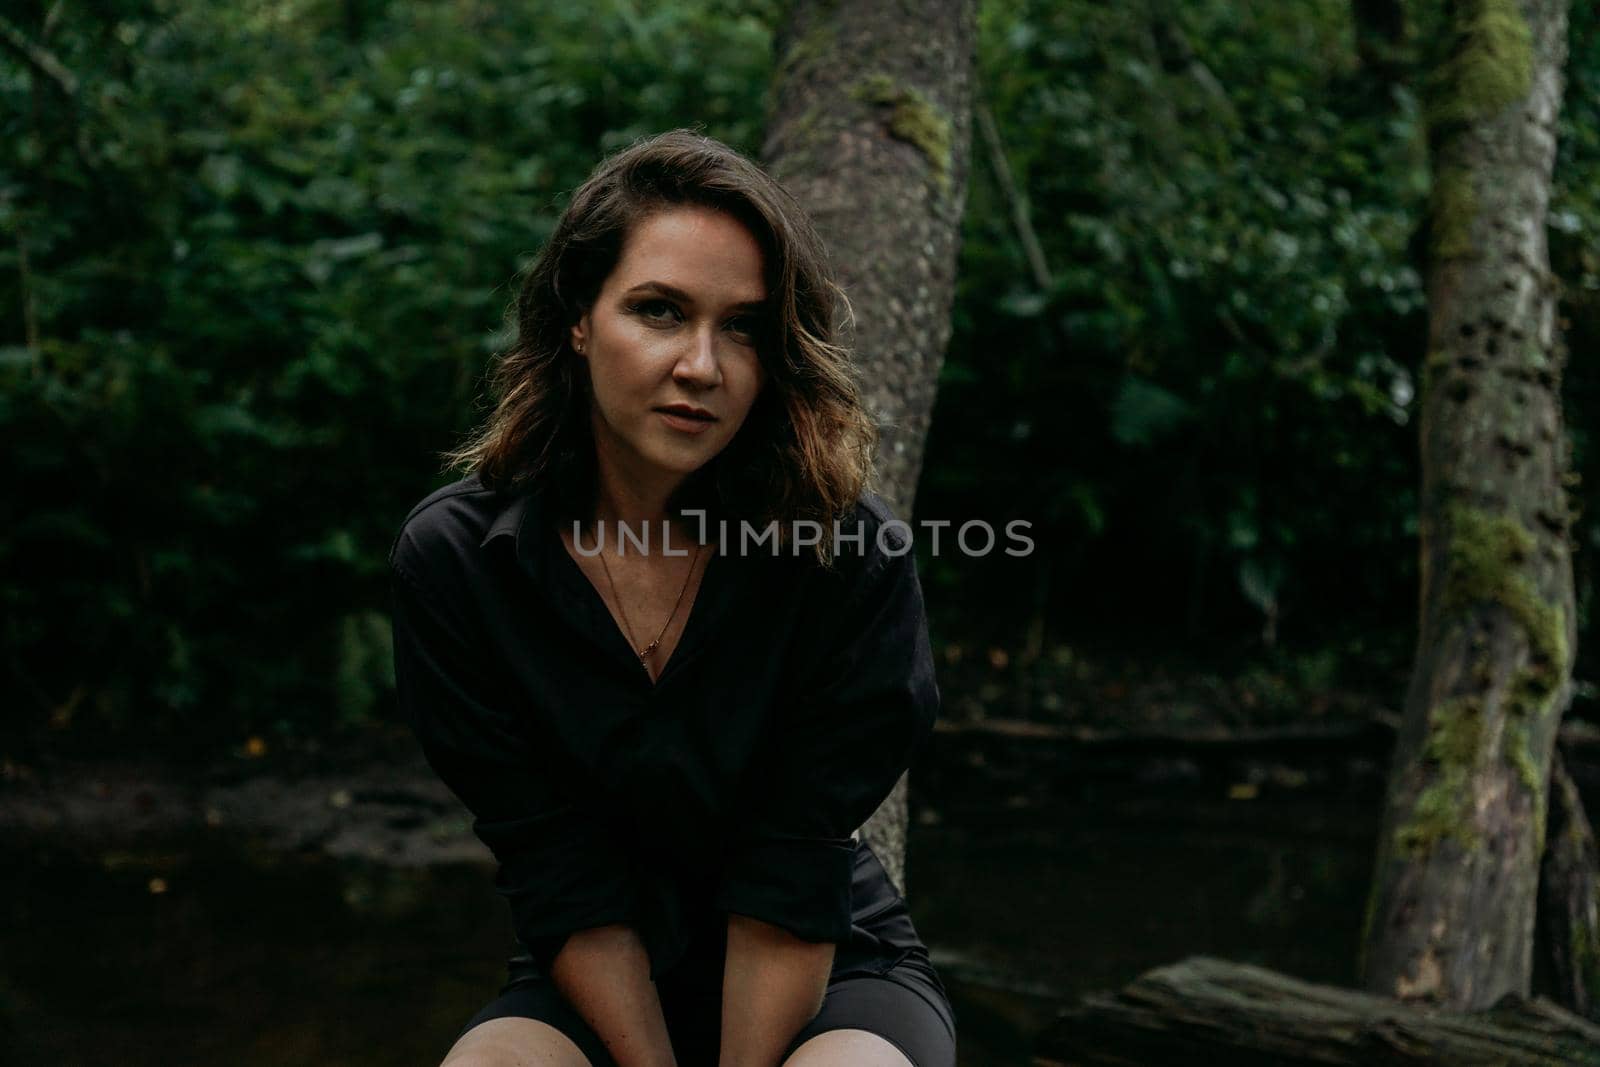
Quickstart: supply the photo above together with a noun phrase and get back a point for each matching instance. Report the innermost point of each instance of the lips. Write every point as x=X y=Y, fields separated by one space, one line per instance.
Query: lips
x=687 y=412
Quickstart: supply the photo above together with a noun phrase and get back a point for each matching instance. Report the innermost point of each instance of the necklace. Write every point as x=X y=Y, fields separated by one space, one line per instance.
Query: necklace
x=644 y=653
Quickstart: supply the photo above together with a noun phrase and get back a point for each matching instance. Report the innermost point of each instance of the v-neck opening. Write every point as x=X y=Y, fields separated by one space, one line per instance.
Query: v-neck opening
x=596 y=608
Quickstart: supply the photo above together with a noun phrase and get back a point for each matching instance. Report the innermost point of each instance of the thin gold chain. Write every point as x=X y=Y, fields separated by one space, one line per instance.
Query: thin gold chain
x=644 y=653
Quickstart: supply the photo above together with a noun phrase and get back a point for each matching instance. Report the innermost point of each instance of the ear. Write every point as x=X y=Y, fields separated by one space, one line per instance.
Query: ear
x=580 y=335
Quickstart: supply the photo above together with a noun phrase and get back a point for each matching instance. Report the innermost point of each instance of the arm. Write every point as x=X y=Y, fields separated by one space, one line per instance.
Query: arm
x=772 y=985
x=604 y=973
x=568 y=888
x=863 y=700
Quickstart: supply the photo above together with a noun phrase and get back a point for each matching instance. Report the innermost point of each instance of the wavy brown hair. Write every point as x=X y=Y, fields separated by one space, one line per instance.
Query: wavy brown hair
x=805 y=451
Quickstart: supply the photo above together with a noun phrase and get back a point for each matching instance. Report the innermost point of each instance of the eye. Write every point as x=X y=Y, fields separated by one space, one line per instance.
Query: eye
x=654 y=310
x=748 y=325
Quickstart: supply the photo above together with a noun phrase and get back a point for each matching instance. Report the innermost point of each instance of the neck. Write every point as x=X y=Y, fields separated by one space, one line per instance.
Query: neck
x=640 y=504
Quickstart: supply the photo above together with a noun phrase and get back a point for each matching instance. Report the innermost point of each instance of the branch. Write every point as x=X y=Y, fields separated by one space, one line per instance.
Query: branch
x=1177 y=55
x=39 y=58
x=44 y=63
x=1008 y=187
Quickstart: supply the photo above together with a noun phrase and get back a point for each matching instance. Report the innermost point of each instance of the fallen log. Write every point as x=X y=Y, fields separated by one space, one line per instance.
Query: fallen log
x=1204 y=1010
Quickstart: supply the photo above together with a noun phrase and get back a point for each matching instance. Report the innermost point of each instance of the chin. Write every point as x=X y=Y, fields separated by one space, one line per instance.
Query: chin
x=683 y=461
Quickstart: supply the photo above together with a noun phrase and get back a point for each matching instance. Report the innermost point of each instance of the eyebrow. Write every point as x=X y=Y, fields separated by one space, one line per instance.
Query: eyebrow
x=678 y=294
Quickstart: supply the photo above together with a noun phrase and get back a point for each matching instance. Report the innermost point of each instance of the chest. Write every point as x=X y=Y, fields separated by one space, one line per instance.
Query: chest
x=649 y=599
x=667 y=744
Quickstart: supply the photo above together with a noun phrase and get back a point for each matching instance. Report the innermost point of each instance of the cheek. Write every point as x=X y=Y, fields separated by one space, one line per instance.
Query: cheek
x=755 y=391
x=628 y=363
x=756 y=377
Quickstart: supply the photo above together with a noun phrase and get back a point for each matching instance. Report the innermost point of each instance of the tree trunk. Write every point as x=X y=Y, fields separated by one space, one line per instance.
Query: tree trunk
x=869 y=128
x=1451 y=915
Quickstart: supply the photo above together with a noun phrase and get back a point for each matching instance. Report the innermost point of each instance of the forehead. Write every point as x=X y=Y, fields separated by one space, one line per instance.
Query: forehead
x=700 y=250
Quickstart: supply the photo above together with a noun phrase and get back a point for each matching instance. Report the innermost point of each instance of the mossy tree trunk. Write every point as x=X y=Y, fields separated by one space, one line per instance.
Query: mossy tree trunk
x=1451 y=916
x=869 y=126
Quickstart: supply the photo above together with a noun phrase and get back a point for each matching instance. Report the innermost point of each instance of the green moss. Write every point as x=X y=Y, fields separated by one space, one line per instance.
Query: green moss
x=1442 y=812
x=876 y=88
x=1490 y=65
x=1531 y=693
x=816 y=43
x=1486 y=559
x=1444 y=808
x=913 y=118
x=1455 y=732
x=1519 y=754
x=1486 y=555
x=1454 y=206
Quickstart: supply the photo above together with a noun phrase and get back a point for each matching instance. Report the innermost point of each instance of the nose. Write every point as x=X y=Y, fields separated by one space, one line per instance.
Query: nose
x=698 y=364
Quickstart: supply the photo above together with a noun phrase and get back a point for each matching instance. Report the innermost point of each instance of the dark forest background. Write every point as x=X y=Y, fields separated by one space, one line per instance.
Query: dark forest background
x=255 y=257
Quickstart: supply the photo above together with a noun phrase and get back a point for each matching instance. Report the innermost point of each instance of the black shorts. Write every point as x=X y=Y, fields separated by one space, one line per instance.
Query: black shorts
x=883 y=982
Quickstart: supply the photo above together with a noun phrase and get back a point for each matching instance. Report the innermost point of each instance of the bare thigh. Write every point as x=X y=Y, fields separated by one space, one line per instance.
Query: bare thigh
x=847 y=1048
x=513 y=1042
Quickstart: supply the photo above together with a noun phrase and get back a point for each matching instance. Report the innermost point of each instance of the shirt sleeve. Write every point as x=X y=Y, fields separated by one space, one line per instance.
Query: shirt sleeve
x=865 y=703
x=558 y=871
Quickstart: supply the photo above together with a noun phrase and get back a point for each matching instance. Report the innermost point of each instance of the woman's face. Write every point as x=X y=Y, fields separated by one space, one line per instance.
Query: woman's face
x=675 y=324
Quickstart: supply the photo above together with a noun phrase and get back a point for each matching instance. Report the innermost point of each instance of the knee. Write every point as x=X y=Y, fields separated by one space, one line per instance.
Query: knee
x=856 y=1048
x=515 y=1043
x=481 y=1056
x=487 y=1054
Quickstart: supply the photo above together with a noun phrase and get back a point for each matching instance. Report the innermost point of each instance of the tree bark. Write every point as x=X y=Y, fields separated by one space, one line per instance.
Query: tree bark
x=869 y=128
x=1452 y=910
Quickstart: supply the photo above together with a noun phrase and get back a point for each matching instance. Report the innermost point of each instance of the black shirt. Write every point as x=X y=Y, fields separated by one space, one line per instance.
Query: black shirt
x=794 y=699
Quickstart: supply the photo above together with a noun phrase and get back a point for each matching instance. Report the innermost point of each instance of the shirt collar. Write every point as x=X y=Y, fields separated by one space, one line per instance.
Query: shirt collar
x=524 y=521
x=509 y=519
x=518 y=519
x=523 y=517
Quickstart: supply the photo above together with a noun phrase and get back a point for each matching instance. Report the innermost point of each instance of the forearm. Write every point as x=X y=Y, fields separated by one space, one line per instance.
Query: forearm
x=604 y=973
x=772 y=985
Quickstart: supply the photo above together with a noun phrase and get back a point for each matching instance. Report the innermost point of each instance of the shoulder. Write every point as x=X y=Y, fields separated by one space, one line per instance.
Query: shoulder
x=870 y=541
x=891 y=535
x=863 y=617
x=442 y=532
x=884 y=536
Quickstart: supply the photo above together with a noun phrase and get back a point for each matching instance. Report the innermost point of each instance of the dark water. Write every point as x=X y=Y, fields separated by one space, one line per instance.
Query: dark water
x=248 y=958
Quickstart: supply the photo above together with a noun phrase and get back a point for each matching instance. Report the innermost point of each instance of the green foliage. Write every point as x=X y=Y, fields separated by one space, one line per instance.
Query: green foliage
x=254 y=256
x=251 y=271
x=1229 y=356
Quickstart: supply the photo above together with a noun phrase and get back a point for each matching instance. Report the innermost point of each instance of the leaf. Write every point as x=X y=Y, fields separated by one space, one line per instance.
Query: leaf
x=1144 y=412
x=1023 y=304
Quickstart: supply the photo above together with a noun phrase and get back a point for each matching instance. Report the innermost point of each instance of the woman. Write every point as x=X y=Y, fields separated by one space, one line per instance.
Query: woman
x=667 y=732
